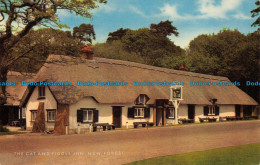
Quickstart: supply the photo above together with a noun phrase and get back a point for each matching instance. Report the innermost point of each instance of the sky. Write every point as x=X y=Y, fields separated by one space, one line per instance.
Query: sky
x=190 y=17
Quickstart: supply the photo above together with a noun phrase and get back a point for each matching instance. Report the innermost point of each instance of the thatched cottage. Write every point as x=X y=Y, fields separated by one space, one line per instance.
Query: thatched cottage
x=103 y=90
x=9 y=112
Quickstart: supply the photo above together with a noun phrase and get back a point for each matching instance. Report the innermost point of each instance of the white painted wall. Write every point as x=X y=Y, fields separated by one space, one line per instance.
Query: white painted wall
x=132 y=120
x=105 y=114
x=182 y=113
x=227 y=110
x=224 y=110
x=199 y=112
x=33 y=103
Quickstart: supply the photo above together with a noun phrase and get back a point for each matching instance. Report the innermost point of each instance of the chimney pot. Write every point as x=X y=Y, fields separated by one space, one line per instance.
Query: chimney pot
x=87 y=53
x=182 y=67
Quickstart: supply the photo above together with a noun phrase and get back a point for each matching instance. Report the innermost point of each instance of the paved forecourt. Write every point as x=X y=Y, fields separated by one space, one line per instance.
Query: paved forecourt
x=123 y=146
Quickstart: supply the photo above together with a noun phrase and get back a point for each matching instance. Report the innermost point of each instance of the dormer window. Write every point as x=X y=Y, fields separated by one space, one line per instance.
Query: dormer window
x=41 y=92
x=141 y=99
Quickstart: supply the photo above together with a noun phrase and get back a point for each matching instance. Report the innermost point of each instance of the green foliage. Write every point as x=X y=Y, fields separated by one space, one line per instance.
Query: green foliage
x=255 y=13
x=151 y=45
x=38 y=44
x=85 y=32
x=18 y=18
x=228 y=53
x=117 y=35
x=239 y=155
x=164 y=28
x=212 y=54
x=115 y=50
x=144 y=45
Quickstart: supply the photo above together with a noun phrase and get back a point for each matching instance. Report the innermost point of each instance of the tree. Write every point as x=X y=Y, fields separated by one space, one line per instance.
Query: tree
x=117 y=35
x=255 y=12
x=43 y=42
x=228 y=53
x=165 y=28
x=151 y=45
x=115 y=50
x=19 y=17
x=84 y=33
x=215 y=53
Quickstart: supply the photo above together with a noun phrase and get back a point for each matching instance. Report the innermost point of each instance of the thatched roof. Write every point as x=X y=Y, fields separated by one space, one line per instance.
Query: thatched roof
x=63 y=68
x=14 y=93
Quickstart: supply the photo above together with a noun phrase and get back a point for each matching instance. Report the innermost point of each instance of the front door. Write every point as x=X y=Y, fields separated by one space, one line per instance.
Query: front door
x=117 y=116
x=237 y=110
x=191 y=111
x=159 y=115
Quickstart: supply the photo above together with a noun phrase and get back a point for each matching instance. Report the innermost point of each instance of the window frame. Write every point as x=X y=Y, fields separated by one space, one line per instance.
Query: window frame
x=92 y=117
x=41 y=92
x=23 y=113
x=95 y=118
x=51 y=111
x=136 y=115
x=33 y=111
x=212 y=110
x=173 y=109
x=142 y=99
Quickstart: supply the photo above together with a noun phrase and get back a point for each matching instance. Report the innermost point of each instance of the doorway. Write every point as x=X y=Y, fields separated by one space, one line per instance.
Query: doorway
x=238 y=110
x=161 y=112
x=8 y=114
x=191 y=111
x=159 y=116
x=117 y=116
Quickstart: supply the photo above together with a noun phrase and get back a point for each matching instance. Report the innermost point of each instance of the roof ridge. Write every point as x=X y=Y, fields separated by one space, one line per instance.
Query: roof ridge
x=150 y=67
x=170 y=71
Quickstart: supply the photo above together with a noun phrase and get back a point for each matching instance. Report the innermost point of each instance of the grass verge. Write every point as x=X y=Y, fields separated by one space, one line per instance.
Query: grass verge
x=239 y=155
x=10 y=133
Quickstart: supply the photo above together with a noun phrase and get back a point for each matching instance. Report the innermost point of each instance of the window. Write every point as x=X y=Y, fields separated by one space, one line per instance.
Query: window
x=51 y=115
x=212 y=110
x=33 y=115
x=139 y=112
x=41 y=92
x=23 y=113
x=141 y=99
x=87 y=115
x=171 y=112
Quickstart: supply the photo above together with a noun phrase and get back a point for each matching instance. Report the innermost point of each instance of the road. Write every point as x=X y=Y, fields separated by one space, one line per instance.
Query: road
x=123 y=146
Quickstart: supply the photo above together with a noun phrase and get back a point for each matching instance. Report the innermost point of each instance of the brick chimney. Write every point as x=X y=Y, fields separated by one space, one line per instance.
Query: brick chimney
x=87 y=53
x=182 y=67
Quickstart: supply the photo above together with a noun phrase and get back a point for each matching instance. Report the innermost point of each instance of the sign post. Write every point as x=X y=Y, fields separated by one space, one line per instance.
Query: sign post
x=176 y=97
